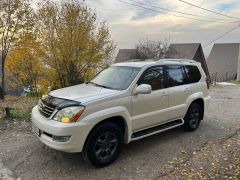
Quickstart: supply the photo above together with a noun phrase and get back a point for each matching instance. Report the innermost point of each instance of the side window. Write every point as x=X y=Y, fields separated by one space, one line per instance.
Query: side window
x=153 y=77
x=176 y=76
x=193 y=74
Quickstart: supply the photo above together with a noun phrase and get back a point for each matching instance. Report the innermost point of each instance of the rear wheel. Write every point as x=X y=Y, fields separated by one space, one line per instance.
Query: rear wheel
x=193 y=117
x=103 y=145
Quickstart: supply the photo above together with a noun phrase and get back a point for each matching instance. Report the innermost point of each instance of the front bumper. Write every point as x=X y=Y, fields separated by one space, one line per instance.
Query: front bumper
x=77 y=131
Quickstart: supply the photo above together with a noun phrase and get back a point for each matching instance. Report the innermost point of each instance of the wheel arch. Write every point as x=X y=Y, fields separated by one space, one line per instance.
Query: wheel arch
x=118 y=120
x=200 y=102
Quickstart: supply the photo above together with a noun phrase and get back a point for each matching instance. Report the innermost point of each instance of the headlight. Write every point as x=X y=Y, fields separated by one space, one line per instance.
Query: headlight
x=69 y=114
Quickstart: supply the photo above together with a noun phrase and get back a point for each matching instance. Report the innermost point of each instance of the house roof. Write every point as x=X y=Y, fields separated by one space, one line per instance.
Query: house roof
x=224 y=58
x=126 y=54
x=185 y=50
x=188 y=51
x=176 y=51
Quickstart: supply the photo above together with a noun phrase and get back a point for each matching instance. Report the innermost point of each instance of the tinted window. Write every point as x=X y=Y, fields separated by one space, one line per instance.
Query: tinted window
x=153 y=77
x=176 y=76
x=193 y=74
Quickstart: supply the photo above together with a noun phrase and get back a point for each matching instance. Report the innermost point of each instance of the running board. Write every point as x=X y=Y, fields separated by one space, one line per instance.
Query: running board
x=157 y=129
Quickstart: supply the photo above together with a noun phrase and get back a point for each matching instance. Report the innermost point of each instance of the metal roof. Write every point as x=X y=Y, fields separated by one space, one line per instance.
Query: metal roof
x=126 y=54
x=188 y=51
x=185 y=50
x=176 y=51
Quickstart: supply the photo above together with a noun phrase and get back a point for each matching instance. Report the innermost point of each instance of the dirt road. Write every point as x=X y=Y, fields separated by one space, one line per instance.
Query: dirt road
x=28 y=158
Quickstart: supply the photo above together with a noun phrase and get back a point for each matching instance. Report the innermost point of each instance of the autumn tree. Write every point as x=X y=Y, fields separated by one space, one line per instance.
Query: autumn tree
x=15 y=19
x=149 y=49
x=74 y=42
x=24 y=66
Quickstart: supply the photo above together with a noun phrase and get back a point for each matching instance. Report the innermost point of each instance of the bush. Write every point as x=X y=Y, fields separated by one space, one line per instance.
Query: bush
x=35 y=94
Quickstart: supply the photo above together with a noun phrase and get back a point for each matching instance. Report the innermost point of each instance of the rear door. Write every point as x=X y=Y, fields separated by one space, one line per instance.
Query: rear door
x=194 y=79
x=150 y=109
x=179 y=90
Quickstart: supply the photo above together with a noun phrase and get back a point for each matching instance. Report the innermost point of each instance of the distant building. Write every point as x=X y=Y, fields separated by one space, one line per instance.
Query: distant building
x=188 y=51
x=126 y=54
x=177 y=51
x=224 y=62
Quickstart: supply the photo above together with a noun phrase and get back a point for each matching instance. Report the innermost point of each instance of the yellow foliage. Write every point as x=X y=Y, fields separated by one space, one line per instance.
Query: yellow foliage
x=75 y=44
x=23 y=65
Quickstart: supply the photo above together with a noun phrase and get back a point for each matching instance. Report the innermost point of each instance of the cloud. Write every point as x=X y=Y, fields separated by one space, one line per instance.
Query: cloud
x=225 y=7
x=129 y=24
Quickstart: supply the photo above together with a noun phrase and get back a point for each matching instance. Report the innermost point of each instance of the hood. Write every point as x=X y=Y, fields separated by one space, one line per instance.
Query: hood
x=83 y=93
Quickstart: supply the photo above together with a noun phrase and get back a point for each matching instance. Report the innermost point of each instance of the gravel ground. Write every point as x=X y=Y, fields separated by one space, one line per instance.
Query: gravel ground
x=174 y=154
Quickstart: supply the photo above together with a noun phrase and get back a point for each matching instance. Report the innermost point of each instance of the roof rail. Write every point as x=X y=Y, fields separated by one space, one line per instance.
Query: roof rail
x=139 y=60
x=179 y=60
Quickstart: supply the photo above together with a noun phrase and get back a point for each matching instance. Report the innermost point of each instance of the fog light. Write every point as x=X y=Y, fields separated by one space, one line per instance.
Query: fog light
x=61 y=138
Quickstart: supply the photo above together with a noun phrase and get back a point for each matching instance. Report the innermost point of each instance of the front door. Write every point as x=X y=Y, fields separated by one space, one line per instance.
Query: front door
x=150 y=109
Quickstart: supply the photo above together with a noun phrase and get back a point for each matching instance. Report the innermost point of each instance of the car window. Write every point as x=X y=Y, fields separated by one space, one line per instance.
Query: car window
x=153 y=77
x=115 y=77
x=175 y=76
x=193 y=74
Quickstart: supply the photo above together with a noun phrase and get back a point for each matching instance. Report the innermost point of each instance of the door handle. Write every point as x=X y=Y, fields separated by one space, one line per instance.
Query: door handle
x=187 y=89
x=164 y=94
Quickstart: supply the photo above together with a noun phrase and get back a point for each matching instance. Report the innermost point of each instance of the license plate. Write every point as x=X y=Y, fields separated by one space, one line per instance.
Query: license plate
x=35 y=130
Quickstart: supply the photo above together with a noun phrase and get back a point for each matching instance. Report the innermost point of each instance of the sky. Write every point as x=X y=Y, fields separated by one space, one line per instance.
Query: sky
x=129 y=24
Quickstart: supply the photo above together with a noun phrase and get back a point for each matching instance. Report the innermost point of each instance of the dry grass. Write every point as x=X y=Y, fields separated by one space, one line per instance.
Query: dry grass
x=20 y=107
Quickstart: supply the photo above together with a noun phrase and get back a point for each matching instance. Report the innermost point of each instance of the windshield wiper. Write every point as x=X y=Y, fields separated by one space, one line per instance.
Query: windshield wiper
x=99 y=85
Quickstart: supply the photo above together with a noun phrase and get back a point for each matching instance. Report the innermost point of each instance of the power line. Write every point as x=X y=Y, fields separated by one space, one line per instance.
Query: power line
x=164 y=12
x=209 y=10
x=224 y=34
x=165 y=9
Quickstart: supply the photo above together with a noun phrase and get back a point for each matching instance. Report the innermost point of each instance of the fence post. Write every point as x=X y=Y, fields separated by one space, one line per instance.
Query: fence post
x=7 y=111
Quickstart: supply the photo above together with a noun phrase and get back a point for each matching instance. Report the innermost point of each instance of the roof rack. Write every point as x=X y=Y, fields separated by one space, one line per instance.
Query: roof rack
x=139 y=60
x=178 y=60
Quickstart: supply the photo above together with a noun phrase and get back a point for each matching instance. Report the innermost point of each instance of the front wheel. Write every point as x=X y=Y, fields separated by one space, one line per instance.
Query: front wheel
x=193 y=117
x=103 y=145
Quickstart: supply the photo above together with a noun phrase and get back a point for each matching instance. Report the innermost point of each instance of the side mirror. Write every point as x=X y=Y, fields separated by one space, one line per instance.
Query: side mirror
x=143 y=89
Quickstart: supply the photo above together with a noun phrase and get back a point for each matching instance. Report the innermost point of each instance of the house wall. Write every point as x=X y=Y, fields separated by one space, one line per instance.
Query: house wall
x=238 y=72
x=223 y=61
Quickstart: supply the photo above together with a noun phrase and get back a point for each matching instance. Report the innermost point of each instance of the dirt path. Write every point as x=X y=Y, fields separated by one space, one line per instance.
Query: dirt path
x=155 y=157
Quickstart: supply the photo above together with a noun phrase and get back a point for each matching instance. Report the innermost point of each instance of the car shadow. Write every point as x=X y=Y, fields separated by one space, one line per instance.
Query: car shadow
x=131 y=150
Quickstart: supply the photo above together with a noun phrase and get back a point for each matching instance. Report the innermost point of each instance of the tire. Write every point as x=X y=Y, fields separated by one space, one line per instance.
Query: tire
x=103 y=145
x=193 y=117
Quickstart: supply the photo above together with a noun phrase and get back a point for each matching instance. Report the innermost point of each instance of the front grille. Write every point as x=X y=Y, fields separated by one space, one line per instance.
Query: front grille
x=45 y=109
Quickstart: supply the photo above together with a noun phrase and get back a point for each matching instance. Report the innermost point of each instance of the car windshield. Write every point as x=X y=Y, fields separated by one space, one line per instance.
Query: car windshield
x=115 y=77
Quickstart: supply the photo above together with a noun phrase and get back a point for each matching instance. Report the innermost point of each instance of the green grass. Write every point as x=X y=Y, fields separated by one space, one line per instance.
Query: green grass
x=20 y=114
x=34 y=94
x=234 y=82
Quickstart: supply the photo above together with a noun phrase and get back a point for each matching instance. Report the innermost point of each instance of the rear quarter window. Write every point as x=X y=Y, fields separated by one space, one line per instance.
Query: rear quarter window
x=193 y=74
x=175 y=75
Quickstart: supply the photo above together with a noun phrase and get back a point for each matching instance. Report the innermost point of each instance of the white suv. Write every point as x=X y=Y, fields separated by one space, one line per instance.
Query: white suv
x=123 y=103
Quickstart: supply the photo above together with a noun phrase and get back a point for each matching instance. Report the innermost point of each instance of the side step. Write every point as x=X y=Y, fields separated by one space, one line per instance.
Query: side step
x=157 y=129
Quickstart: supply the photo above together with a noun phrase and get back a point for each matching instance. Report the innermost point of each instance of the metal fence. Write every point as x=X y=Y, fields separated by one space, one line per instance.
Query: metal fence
x=223 y=77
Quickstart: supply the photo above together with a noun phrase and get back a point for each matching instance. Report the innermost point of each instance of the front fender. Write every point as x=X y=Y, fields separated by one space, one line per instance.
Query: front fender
x=97 y=117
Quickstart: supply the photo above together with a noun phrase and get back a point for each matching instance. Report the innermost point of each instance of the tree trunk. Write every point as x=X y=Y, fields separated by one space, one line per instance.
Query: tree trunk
x=2 y=88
